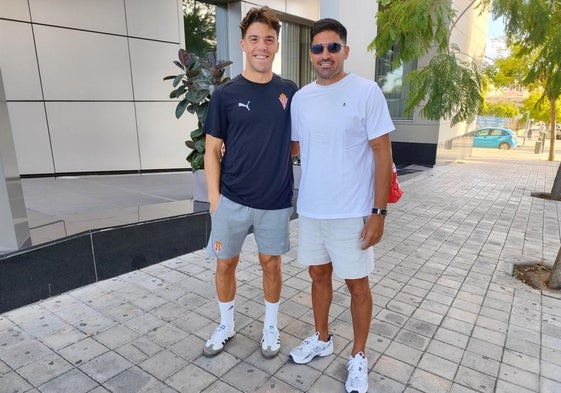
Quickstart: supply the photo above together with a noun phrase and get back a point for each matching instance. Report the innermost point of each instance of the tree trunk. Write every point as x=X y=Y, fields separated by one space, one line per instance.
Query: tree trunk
x=554 y=281
x=553 y=116
x=556 y=189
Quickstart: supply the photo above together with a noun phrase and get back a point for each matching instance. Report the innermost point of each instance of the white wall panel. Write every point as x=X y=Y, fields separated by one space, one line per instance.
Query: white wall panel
x=304 y=9
x=279 y=5
x=156 y=20
x=18 y=61
x=100 y=15
x=93 y=136
x=77 y=65
x=162 y=137
x=151 y=62
x=31 y=138
x=14 y=9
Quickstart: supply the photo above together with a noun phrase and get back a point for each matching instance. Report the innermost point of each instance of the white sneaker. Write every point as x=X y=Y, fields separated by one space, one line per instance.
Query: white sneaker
x=310 y=348
x=215 y=344
x=270 y=343
x=357 y=380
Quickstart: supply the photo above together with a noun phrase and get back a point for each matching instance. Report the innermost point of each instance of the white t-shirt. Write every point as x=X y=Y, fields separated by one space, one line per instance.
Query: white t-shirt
x=333 y=125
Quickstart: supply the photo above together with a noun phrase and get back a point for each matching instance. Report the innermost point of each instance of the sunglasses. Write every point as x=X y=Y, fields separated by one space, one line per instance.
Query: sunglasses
x=332 y=47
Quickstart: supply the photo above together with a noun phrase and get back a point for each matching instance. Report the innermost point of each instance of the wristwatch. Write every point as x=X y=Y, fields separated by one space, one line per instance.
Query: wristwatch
x=381 y=212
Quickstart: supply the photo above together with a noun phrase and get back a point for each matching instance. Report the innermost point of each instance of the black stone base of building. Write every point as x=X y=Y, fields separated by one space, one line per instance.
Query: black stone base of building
x=39 y=272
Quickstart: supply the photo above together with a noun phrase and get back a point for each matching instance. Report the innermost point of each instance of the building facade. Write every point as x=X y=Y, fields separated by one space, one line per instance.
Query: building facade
x=84 y=89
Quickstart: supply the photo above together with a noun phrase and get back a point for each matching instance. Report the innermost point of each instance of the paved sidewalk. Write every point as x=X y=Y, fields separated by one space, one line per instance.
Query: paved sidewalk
x=448 y=315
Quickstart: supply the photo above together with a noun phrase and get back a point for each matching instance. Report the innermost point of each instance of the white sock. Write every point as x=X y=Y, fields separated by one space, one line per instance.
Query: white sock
x=271 y=311
x=227 y=313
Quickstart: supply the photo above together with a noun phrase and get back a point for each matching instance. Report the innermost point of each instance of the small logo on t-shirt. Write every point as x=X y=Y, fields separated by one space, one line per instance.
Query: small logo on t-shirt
x=284 y=100
x=246 y=106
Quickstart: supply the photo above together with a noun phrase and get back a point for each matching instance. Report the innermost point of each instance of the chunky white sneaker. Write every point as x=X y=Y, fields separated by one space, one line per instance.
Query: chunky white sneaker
x=357 y=380
x=270 y=343
x=310 y=348
x=215 y=344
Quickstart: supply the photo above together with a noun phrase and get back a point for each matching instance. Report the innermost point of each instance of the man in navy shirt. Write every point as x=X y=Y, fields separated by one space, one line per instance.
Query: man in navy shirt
x=250 y=185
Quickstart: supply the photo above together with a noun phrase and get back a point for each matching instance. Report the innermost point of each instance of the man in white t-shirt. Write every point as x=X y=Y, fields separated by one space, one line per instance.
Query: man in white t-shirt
x=340 y=127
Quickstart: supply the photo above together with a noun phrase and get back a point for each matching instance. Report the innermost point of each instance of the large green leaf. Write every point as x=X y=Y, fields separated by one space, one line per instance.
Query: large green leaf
x=177 y=79
x=180 y=108
x=197 y=161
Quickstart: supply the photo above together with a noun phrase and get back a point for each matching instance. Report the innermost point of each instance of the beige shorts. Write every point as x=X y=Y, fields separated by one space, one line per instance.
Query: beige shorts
x=336 y=241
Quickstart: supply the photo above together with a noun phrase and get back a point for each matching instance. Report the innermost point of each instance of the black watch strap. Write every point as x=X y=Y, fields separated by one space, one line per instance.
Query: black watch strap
x=381 y=212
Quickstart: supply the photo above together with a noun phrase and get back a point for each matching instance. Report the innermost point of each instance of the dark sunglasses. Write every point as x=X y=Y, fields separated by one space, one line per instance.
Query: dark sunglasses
x=332 y=47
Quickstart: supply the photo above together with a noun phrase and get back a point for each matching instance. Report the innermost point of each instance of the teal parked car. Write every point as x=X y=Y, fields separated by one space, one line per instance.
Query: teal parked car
x=495 y=137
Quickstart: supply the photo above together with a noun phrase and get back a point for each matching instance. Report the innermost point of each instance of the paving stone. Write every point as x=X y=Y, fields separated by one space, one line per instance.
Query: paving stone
x=105 y=366
x=438 y=366
x=191 y=378
x=381 y=383
x=547 y=385
x=412 y=339
x=45 y=369
x=124 y=311
x=12 y=336
x=446 y=351
x=384 y=329
x=220 y=387
x=116 y=336
x=15 y=383
x=63 y=337
x=457 y=325
x=94 y=322
x=163 y=364
x=132 y=380
x=450 y=337
x=525 y=347
x=404 y=353
x=507 y=387
x=73 y=381
x=492 y=336
x=486 y=349
x=461 y=389
x=475 y=380
x=166 y=335
x=522 y=361
x=481 y=363
x=400 y=308
x=144 y=323
x=428 y=382
x=248 y=378
x=323 y=384
x=393 y=369
x=24 y=352
x=83 y=351
x=519 y=376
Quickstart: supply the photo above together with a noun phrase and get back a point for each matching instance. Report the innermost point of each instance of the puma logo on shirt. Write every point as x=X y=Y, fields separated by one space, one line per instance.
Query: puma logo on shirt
x=246 y=106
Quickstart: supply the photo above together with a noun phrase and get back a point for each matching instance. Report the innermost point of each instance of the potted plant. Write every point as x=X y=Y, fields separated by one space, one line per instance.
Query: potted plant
x=193 y=87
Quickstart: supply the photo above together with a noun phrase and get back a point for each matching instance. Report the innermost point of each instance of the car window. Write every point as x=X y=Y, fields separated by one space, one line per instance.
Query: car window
x=481 y=133
x=496 y=132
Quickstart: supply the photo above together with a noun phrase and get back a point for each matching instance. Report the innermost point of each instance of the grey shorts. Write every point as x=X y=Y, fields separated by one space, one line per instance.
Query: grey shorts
x=231 y=223
x=336 y=241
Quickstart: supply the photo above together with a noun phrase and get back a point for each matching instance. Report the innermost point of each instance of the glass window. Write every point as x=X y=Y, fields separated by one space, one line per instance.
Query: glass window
x=391 y=81
x=294 y=47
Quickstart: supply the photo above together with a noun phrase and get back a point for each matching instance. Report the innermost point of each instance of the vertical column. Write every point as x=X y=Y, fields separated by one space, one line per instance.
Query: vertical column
x=14 y=227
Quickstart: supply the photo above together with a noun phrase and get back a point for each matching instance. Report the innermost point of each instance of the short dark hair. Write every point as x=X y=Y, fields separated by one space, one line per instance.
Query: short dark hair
x=328 y=24
x=262 y=15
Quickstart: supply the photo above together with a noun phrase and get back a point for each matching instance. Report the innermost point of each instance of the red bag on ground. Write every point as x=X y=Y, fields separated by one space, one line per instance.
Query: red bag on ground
x=395 y=190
